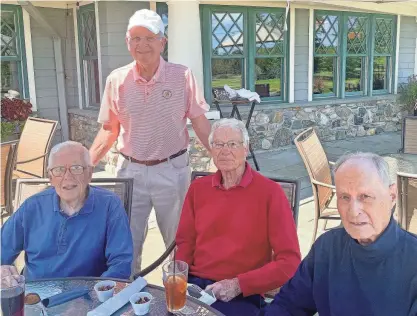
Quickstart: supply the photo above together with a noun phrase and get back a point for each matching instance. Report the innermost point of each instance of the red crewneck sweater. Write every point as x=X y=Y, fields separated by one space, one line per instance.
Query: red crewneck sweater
x=225 y=234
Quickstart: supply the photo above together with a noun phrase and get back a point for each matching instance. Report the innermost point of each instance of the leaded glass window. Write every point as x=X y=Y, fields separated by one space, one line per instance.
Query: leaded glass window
x=383 y=54
x=88 y=55
x=12 y=57
x=353 y=54
x=246 y=48
x=270 y=49
x=326 y=53
x=162 y=10
x=357 y=29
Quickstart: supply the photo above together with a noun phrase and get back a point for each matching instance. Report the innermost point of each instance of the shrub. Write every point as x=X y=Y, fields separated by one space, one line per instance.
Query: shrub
x=15 y=109
x=408 y=94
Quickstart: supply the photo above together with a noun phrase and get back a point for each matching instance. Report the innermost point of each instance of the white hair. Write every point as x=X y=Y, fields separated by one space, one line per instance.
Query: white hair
x=231 y=123
x=69 y=144
x=380 y=164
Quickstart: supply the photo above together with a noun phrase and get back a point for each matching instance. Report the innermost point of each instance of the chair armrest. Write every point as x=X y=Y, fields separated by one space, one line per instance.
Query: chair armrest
x=30 y=160
x=322 y=184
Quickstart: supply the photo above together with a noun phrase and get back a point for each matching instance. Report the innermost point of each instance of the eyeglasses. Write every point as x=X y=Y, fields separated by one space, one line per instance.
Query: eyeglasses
x=74 y=169
x=231 y=144
x=148 y=39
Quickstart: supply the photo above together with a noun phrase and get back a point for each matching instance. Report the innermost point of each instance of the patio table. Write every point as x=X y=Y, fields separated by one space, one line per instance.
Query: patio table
x=80 y=306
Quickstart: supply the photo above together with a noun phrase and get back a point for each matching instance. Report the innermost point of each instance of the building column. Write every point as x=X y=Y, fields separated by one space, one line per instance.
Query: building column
x=184 y=36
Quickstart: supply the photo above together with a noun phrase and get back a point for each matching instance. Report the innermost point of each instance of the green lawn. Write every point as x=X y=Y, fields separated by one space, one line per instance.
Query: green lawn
x=235 y=83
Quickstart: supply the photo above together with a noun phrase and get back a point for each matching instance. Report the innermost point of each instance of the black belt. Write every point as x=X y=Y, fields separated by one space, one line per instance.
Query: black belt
x=154 y=162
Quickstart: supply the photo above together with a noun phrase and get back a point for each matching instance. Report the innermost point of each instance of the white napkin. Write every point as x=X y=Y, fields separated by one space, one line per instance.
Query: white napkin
x=118 y=301
x=243 y=93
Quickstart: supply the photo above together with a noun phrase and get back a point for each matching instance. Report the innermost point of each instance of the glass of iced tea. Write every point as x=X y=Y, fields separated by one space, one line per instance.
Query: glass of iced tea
x=12 y=293
x=175 y=276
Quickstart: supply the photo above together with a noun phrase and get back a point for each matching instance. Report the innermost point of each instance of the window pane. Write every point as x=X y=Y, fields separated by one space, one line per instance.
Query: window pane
x=162 y=10
x=10 y=77
x=92 y=88
x=227 y=33
x=355 y=69
x=324 y=75
x=357 y=35
x=269 y=34
x=327 y=34
x=8 y=34
x=89 y=34
x=380 y=73
x=383 y=36
x=268 y=72
x=227 y=71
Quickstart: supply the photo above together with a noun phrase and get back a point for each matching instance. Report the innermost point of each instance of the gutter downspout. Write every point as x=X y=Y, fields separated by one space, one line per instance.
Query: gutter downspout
x=59 y=66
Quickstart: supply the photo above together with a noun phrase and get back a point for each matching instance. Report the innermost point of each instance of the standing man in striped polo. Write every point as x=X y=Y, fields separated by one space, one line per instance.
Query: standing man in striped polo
x=145 y=108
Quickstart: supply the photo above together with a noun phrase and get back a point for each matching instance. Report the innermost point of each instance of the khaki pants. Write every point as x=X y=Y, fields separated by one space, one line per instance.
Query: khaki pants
x=162 y=187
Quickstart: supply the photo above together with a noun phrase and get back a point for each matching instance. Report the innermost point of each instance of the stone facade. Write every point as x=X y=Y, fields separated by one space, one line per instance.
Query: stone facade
x=276 y=128
x=84 y=128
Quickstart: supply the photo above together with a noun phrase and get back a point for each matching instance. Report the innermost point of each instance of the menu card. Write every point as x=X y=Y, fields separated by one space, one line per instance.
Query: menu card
x=119 y=300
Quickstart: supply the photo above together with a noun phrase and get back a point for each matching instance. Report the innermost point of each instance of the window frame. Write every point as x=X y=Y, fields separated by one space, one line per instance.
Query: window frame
x=20 y=57
x=82 y=58
x=249 y=48
x=369 y=56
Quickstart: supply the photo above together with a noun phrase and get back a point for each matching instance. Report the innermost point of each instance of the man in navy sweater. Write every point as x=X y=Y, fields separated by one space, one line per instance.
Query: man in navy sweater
x=369 y=267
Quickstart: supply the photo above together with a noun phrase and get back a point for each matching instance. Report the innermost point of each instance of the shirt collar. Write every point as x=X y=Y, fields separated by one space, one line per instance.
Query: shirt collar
x=87 y=208
x=158 y=77
x=244 y=182
x=382 y=247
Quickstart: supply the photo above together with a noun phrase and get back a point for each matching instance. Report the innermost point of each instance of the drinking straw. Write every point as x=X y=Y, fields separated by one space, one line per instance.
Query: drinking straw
x=175 y=254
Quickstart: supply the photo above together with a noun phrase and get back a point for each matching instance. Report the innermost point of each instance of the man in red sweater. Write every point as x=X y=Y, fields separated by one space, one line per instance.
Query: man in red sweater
x=232 y=224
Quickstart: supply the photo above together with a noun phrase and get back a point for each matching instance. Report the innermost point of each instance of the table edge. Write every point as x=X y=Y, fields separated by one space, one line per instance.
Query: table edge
x=153 y=286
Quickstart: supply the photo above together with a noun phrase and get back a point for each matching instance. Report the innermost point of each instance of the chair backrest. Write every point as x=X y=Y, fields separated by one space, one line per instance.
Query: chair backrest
x=34 y=144
x=122 y=187
x=407 y=201
x=317 y=165
x=8 y=157
x=409 y=135
x=291 y=189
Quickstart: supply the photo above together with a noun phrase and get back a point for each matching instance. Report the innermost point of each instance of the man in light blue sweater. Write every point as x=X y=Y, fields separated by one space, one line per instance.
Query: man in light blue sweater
x=369 y=267
x=71 y=229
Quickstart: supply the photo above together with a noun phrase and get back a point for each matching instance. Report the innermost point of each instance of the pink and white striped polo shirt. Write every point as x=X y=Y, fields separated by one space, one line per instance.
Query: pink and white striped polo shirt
x=153 y=114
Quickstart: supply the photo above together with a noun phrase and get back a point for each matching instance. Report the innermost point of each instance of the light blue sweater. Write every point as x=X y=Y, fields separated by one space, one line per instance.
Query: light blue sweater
x=94 y=242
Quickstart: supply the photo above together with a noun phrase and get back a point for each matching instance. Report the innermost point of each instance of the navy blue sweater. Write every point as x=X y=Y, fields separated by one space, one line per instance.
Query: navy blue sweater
x=340 y=277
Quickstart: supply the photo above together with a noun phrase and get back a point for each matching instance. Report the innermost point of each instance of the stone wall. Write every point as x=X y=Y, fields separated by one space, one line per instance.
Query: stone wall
x=84 y=128
x=273 y=128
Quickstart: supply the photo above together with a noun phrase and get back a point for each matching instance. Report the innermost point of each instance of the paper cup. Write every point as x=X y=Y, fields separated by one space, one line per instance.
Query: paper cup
x=104 y=295
x=140 y=309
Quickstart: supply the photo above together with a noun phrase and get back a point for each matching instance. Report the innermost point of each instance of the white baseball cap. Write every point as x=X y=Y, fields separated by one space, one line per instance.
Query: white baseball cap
x=147 y=18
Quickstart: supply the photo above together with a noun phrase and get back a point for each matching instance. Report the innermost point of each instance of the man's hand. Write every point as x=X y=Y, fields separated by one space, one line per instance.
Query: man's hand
x=6 y=276
x=225 y=290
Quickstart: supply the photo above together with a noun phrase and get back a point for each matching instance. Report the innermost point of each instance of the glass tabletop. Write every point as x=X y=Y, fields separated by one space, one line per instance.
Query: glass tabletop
x=82 y=305
x=406 y=163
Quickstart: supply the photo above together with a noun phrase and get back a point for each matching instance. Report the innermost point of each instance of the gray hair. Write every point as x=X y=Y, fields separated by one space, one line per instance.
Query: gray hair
x=380 y=164
x=231 y=123
x=69 y=144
